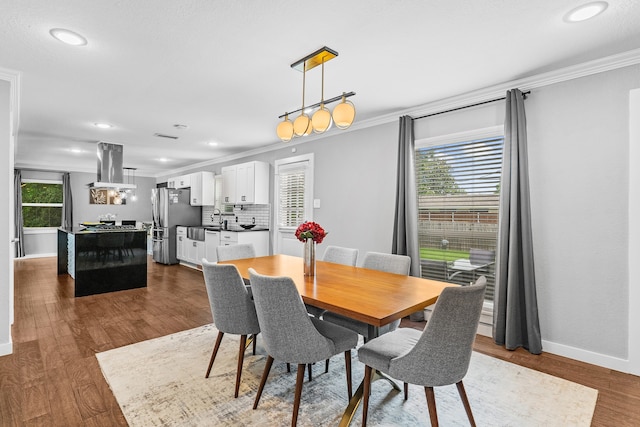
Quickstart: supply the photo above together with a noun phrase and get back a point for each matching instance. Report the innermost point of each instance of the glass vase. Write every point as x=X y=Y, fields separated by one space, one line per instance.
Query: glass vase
x=309 y=257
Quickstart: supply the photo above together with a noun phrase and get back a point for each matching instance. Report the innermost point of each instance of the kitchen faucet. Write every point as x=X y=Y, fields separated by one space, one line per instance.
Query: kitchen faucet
x=217 y=212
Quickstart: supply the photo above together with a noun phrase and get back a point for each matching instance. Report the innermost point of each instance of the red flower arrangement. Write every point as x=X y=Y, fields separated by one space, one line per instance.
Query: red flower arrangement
x=310 y=230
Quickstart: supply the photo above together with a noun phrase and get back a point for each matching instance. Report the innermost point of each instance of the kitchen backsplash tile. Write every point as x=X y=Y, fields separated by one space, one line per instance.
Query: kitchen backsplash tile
x=245 y=215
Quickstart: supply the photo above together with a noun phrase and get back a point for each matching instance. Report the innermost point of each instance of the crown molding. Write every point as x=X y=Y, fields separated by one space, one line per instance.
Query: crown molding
x=560 y=75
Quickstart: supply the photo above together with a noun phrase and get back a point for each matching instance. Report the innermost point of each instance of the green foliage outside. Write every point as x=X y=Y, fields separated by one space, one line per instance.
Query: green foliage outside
x=41 y=216
x=433 y=175
x=443 y=254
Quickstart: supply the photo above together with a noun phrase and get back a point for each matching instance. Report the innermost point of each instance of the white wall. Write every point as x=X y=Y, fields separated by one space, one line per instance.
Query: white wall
x=6 y=233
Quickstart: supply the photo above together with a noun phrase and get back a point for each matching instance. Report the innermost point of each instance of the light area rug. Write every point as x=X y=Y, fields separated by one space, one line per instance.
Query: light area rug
x=160 y=382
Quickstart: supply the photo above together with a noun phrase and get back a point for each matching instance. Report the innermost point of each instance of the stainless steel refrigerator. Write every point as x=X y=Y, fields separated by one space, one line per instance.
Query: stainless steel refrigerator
x=170 y=208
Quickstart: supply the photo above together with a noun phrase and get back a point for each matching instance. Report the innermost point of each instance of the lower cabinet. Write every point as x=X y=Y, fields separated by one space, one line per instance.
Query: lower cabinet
x=260 y=240
x=195 y=251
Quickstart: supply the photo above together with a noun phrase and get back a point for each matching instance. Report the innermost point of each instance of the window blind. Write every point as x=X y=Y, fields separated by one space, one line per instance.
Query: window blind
x=458 y=201
x=291 y=194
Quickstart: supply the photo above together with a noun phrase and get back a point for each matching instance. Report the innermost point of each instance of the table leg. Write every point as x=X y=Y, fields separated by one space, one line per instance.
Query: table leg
x=356 y=399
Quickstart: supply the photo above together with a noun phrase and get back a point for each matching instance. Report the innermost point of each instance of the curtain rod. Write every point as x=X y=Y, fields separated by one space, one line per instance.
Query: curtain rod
x=468 y=106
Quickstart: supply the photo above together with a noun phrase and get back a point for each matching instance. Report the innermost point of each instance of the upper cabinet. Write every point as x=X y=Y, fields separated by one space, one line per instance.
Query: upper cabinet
x=202 y=189
x=202 y=186
x=246 y=183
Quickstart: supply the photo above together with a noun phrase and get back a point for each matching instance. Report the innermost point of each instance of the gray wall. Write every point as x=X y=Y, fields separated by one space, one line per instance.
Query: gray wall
x=139 y=210
x=578 y=151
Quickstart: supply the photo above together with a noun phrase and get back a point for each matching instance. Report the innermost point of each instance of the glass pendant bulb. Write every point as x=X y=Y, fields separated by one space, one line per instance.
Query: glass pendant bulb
x=302 y=125
x=321 y=120
x=344 y=113
x=285 y=129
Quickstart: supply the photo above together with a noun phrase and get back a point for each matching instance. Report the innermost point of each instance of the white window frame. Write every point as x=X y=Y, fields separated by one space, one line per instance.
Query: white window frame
x=41 y=230
x=486 y=318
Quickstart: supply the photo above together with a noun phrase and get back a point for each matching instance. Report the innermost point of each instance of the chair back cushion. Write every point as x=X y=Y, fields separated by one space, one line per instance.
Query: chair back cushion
x=232 y=308
x=442 y=354
x=340 y=255
x=390 y=263
x=288 y=333
x=243 y=250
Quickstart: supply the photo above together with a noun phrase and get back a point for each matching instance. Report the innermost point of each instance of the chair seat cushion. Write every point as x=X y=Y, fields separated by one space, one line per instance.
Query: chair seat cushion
x=379 y=352
x=343 y=338
x=355 y=325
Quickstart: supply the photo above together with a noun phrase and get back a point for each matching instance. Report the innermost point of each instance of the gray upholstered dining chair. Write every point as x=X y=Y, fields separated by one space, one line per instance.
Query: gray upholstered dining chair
x=390 y=263
x=290 y=335
x=232 y=309
x=240 y=251
x=437 y=356
x=337 y=255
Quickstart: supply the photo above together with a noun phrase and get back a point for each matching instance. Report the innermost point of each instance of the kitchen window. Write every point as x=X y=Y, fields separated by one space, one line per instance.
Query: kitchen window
x=41 y=203
x=458 y=185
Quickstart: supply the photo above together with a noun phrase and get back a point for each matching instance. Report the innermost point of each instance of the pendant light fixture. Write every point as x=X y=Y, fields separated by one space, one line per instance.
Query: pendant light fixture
x=343 y=114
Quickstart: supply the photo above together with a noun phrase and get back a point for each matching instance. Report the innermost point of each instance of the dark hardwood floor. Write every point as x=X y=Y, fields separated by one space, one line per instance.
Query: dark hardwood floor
x=53 y=378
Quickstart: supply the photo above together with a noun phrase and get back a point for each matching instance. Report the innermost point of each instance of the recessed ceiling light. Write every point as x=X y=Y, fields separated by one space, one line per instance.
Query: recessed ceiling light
x=181 y=127
x=76 y=150
x=586 y=11
x=212 y=143
x=163 y=159
x=103 y=125
x=68 y=37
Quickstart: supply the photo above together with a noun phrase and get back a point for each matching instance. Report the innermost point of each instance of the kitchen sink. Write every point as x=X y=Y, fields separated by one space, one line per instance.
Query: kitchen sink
x=195 y=233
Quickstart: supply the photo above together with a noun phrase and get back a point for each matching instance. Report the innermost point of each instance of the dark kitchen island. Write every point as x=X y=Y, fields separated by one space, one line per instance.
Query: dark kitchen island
x=103 y=260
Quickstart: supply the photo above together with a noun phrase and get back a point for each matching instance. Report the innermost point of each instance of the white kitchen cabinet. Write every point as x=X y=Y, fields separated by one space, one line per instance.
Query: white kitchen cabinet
x=171 y=182
x=229 y=184
x=211 y=242
x=260 y=240
x=183 y=181
x=181 y=242
x=195 y=251
x=246 y=183
x=202 y=189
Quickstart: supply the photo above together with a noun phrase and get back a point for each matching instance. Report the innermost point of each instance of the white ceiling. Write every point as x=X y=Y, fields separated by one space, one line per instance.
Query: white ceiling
x=223 y=67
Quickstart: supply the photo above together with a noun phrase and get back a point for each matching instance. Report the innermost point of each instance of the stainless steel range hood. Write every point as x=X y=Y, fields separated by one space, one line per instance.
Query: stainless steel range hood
x=110 y=170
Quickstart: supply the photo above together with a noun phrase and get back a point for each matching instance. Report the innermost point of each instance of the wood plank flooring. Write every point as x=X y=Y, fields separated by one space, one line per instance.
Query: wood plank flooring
x=53 y=378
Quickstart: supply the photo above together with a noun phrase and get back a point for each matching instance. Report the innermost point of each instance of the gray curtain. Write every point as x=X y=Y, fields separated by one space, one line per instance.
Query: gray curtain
x=17 y=214
x=405 y=227
x=515 y=311
x=67 y=201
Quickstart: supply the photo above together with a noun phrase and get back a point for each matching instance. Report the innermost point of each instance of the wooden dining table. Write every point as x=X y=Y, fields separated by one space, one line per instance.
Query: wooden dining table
x=371 y=296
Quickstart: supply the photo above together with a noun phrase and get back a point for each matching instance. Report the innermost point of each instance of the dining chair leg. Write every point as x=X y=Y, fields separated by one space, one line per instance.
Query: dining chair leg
x=406 y=391
x=215 y=352
x=465 y=402
x=365 y=393
x=243 y=346
x=263 y=380
x=326 y=366
x=347 y=367
x=255 y=338
x=431 y=404
x=298 y=394
x=310 y=374
x=288 y=367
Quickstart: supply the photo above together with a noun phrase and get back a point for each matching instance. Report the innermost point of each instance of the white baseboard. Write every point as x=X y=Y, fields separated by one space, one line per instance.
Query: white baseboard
x=6 y=348
x=485 y=328
x=586 y=356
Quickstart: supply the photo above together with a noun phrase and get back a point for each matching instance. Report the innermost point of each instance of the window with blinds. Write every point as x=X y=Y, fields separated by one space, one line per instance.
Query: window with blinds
x=458 y=201
x=291 y=195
